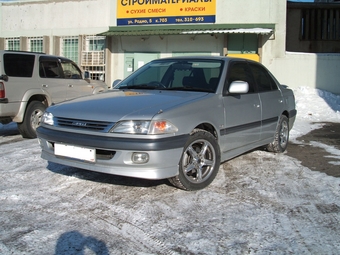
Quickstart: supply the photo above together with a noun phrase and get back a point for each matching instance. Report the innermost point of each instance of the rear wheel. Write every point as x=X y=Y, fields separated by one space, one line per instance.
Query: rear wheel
x=281 y=137
x=199 y=163
x=32 y=119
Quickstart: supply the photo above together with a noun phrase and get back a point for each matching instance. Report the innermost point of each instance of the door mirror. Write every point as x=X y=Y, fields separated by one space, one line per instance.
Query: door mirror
x=116 y=82
x=238 y=87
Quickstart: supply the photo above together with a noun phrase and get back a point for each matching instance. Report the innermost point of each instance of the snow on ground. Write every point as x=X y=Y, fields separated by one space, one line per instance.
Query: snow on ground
x=260 y=203
x=314 y=106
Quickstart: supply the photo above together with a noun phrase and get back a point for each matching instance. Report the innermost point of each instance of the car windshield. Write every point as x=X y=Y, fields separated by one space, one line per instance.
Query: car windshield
x=193 y=75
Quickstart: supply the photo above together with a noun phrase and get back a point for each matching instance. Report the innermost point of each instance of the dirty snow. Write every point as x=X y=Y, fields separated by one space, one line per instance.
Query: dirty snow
x=260 y=203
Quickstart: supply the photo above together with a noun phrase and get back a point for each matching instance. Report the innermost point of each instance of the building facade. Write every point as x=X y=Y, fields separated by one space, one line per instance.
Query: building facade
x=111 y=39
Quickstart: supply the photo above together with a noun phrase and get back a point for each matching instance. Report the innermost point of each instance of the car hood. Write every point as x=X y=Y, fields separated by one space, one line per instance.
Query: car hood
x=117 y=105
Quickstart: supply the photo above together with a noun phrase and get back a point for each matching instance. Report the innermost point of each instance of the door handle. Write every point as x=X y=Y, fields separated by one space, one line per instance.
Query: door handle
x=45 y=86
x=70 y=86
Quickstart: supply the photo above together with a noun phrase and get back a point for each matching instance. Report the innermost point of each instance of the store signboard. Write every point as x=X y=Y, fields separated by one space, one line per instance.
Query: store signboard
x=157 y=12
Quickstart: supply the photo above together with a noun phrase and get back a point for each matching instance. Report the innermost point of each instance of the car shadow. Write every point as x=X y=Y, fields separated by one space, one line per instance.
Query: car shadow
x=317 y=158
x=74 y=242
x=104 y=178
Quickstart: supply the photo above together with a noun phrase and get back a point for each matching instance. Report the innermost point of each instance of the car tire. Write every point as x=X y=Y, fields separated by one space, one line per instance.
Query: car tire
x=199 y=162
x=32 y=119
x=281 y=137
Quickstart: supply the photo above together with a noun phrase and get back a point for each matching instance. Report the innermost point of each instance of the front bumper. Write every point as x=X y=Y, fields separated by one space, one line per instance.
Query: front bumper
x=113 y=154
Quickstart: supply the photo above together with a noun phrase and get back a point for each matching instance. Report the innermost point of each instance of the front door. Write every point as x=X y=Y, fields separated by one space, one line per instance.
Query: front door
x=76 y=85
x=52 y=79
x=242 y=111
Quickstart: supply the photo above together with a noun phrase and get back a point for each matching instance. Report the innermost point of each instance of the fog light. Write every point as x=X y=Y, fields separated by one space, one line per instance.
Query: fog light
x=140 y=157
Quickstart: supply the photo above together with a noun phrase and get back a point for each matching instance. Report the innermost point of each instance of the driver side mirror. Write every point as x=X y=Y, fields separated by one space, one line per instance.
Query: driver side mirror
x=87 y=75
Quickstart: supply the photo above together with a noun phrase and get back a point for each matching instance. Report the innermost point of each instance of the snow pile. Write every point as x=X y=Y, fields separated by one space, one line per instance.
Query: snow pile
x=314 y=106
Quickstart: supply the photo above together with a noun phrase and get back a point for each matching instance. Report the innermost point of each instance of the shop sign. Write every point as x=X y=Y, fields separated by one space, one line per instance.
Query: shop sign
x=157 y=12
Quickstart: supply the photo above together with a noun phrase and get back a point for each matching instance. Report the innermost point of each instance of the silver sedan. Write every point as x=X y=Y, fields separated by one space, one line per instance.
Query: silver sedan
x=175 y=118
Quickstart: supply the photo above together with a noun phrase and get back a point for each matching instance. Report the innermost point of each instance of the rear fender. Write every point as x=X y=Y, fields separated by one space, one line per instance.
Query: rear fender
x=31 y=95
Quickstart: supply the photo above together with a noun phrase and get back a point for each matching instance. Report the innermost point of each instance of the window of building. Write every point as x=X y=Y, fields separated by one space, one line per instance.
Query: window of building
x=320 y=23
x=70 y=48
x=12 y=44
x=35 y=44
x=92 y=56
x=95 y=43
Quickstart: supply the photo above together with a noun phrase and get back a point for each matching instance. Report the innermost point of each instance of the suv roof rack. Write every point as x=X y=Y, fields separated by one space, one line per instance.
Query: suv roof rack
x=23 y=51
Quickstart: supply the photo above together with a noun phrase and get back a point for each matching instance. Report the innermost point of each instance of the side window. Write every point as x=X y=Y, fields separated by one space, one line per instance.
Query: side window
x=70 y=70
x=49 y=69
x=19 y=65
x=240 y=72
x=262 y=78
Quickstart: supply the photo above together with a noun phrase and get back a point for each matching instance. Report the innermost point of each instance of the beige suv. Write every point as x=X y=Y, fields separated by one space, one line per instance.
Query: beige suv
x=30 y=82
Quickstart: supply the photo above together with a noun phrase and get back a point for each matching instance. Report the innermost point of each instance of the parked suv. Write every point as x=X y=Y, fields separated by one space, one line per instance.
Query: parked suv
x=30 y=82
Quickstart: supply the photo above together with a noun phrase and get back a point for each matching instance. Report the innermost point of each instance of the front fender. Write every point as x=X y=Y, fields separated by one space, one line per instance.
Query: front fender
x=207 y=111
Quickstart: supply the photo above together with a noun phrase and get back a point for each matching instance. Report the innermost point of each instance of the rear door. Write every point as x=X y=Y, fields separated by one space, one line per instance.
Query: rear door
x=271 y=100
x=242 y=111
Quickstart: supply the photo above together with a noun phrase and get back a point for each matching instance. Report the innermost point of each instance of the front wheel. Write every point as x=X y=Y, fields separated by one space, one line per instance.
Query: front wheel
x=32 y=119
x=199 y=163
x=281 y=137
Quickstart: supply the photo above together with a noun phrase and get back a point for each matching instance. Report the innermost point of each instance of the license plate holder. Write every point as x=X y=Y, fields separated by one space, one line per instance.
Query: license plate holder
x=75 y=152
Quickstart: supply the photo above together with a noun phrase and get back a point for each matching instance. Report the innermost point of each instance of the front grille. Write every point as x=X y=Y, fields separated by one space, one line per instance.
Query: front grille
x=100 y=126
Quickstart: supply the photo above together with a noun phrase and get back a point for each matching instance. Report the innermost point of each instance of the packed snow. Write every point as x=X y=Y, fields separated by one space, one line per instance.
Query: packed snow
x=259 y=203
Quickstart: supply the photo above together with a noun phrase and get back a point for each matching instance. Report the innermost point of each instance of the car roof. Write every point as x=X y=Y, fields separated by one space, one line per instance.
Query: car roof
x=193 y=57
x=34 y=53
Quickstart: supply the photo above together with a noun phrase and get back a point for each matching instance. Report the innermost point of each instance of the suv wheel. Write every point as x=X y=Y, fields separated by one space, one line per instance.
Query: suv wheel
x=32 y=119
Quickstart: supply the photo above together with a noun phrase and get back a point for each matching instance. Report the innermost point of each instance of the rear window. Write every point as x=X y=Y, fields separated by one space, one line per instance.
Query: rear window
x=18 y=65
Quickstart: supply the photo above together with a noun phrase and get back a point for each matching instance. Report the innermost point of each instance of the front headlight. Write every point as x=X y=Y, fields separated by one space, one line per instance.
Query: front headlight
x=47 y=118
x=131 y=127
x=143 y=127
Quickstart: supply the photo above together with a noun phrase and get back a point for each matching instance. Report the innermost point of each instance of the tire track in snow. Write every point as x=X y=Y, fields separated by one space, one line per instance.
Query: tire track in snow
x=137 y=235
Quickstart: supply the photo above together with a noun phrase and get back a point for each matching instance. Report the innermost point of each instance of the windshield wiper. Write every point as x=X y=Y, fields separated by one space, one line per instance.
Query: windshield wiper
x=141 y=86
